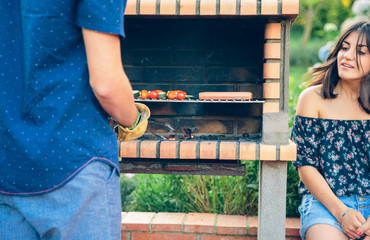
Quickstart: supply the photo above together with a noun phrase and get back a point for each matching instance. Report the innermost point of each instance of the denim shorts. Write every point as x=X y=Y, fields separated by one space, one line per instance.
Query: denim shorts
x=87 y=207
x=313 y=212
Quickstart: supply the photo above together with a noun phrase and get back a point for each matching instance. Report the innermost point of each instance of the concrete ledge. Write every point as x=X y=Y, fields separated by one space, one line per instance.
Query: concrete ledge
x=144 y=225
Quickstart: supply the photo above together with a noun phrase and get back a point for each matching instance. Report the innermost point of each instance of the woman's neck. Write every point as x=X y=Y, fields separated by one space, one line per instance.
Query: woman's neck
x=348 y=89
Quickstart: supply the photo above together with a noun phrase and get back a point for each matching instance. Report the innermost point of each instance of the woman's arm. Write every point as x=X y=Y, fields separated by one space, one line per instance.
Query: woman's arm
x=107 y=77
x=320 y=189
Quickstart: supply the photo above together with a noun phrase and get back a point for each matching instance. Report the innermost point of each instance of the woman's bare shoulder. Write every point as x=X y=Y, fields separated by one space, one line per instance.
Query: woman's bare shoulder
x=309 y=102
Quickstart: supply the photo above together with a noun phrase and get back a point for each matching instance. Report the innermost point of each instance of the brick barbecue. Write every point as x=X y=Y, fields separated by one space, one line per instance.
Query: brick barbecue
x=214 y=46
x=209 y=46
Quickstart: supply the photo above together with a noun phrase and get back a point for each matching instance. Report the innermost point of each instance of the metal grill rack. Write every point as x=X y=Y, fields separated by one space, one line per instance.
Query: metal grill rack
x=237 y=100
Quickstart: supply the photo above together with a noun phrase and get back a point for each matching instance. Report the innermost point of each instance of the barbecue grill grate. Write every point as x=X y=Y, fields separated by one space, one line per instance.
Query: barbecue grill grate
x=200 y=101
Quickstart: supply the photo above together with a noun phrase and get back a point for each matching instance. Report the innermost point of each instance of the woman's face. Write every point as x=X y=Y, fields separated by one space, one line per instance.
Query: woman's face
x=346 y=58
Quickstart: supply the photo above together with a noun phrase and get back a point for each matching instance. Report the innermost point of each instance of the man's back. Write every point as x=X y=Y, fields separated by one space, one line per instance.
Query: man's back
x=51 y=122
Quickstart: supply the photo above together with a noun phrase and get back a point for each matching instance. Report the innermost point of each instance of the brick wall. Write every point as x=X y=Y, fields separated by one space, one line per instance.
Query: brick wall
x=195 y=226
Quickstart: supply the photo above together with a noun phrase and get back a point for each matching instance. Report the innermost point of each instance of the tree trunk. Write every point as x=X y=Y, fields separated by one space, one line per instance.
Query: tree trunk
x=308 y=27
x=310 y=14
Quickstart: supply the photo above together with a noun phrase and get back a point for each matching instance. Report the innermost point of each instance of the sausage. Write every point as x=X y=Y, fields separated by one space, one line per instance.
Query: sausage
x=225 y=95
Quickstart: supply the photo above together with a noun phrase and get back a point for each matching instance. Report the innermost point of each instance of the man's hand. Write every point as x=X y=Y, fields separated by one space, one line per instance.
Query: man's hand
x=127 y=134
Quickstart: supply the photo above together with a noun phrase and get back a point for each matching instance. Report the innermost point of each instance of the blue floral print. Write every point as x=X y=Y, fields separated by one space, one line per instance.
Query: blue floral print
x=338 y=149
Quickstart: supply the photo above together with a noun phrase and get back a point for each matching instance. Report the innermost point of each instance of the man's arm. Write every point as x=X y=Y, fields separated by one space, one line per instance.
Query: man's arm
x=107 y=77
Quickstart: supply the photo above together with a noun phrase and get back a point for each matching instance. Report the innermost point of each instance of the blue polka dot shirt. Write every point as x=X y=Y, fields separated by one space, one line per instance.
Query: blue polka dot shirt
x=51 y=124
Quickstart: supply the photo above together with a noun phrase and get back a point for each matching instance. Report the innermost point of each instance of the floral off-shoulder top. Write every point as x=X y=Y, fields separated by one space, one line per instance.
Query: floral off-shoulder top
x=339 y=149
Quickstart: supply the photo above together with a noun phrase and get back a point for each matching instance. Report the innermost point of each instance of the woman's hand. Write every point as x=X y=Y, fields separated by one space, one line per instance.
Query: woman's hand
x=365 y=229
x=316 y=184
x=351 y=222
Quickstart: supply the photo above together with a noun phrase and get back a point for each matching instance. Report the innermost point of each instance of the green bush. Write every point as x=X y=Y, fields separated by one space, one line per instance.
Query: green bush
x=127 y=187
x=296 y=79
x=156 y=193
x=208 y=194
x=304 y=57
x=293 y=199
x=223 y=194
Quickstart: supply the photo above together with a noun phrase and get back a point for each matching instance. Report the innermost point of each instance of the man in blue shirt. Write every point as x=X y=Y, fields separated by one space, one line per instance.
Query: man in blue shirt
x=61 y=76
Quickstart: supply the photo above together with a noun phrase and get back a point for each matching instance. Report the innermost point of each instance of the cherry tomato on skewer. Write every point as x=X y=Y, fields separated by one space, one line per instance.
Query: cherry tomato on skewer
x=144 y=94
x=153 y=95
x=181 y=95
x=171 y=95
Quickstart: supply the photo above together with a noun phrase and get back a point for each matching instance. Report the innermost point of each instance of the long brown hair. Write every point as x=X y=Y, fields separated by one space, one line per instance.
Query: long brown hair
x=327 y=73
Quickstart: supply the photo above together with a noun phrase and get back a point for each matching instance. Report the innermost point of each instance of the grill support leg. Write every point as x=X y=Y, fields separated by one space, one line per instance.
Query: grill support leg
x=273 y=174
x=272 y=200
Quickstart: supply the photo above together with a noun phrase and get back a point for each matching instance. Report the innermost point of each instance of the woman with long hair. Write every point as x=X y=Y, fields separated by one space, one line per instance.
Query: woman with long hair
x=332 y=132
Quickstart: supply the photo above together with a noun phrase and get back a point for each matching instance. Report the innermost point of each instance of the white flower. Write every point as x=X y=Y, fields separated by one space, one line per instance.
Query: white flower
x=328 y=27
x=349 y=21
x=361 y=7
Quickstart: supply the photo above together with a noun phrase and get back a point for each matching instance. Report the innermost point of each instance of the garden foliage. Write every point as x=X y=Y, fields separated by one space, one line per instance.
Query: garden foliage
x=206 y=194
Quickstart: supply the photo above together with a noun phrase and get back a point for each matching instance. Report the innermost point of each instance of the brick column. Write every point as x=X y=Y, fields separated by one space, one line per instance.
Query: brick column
x=273 y=174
